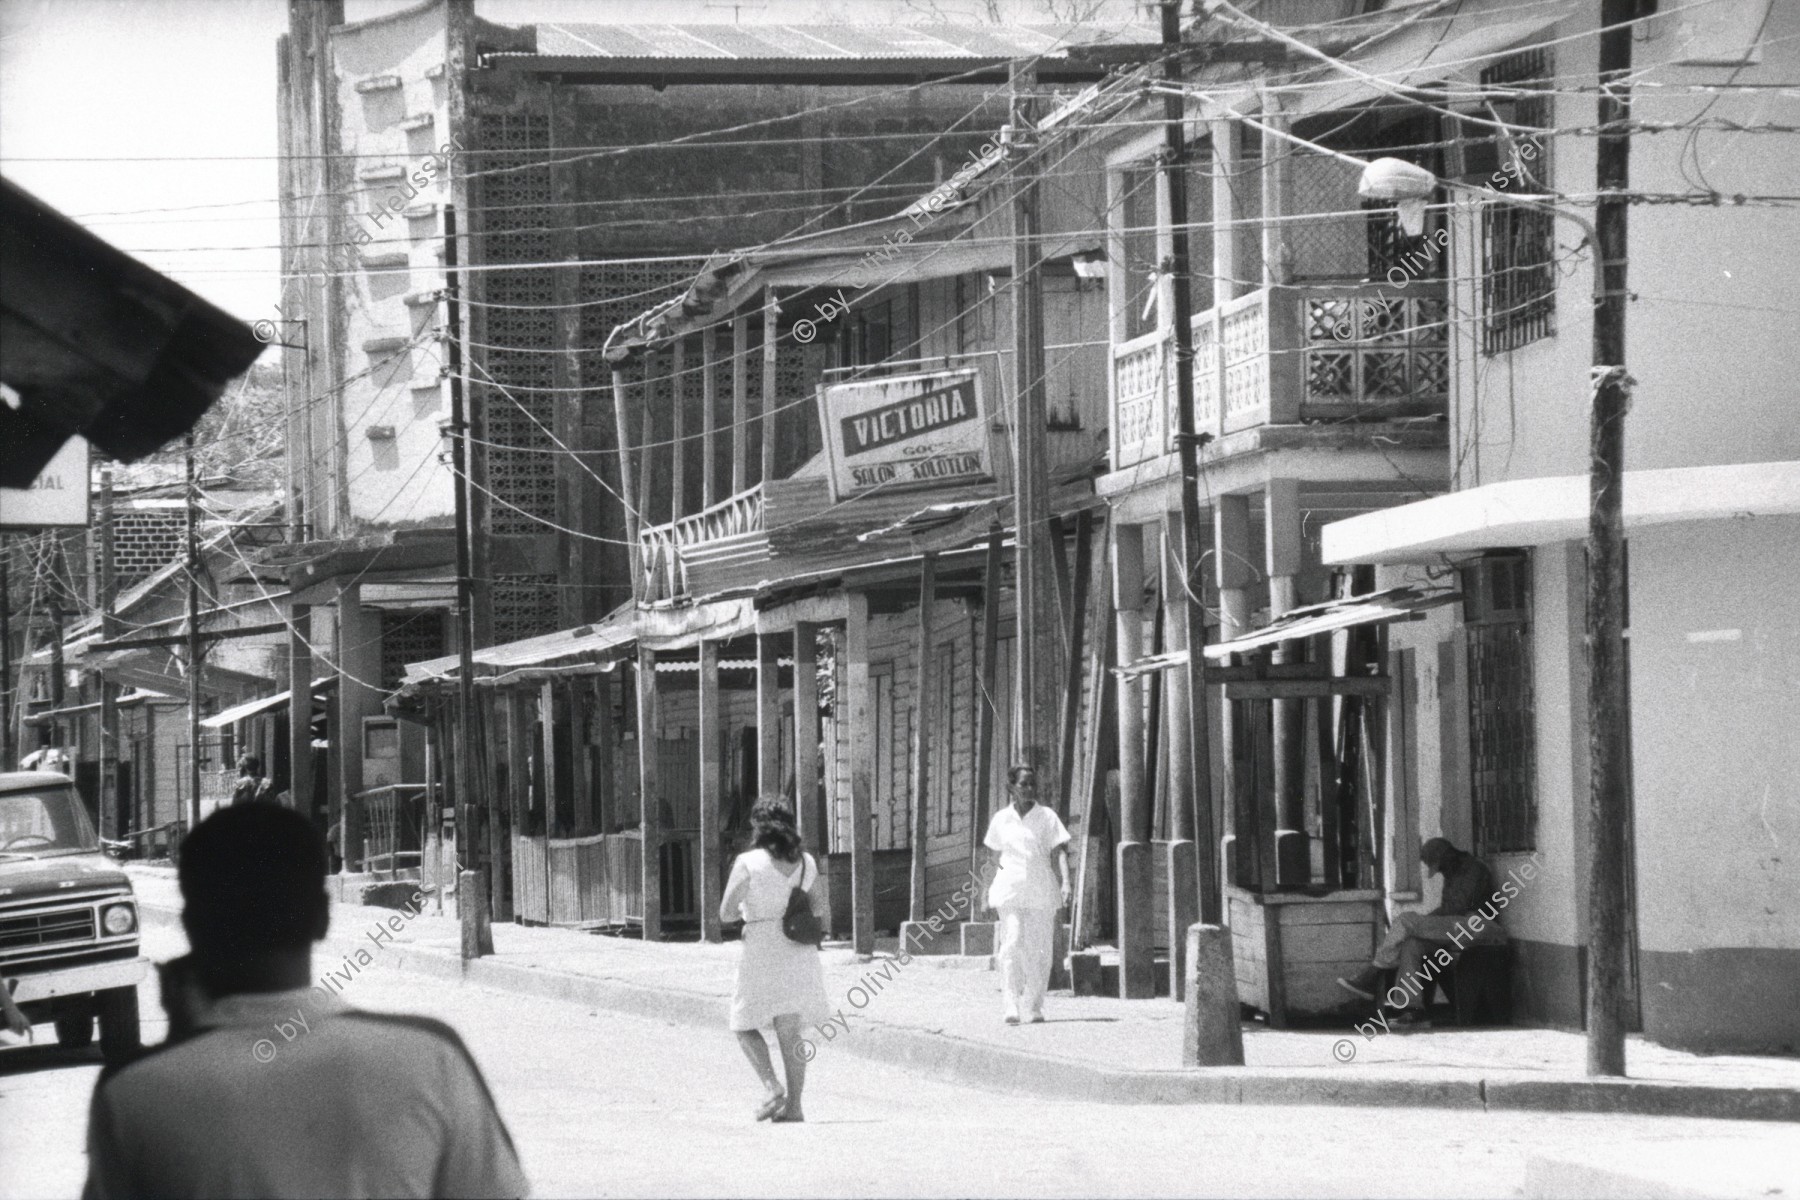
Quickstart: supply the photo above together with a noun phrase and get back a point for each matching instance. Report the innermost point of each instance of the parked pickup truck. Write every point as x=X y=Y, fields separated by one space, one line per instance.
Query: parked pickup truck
x=68 y=917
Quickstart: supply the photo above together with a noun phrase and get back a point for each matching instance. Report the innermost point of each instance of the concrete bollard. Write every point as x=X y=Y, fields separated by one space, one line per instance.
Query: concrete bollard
x=471 y=901
x=1211 y=1035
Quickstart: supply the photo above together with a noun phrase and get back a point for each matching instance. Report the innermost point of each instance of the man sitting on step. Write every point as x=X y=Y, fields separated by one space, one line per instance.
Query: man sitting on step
x=1468 y=913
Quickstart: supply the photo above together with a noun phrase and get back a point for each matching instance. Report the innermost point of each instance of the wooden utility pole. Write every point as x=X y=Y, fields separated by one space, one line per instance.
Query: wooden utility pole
x=1193 y=819
x=472 y=890
x=107 y=587
x=924 y=696
x=193 y=640
x=1037 y=709
x=1608 y=805
x=9 y=739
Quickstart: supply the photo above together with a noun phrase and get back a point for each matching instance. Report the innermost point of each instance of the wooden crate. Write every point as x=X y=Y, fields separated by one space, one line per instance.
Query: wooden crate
x=1322 y=937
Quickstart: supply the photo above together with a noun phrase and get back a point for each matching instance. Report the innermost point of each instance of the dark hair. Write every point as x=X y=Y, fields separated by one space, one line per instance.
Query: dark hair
x=252 y=882
x=1013 y=772
x=772 y=828
x=250 y=763
x=1438 y=851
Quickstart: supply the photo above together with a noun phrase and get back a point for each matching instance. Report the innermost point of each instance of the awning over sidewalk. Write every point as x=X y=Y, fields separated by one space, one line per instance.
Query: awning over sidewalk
x=597 y=647
x=1374 y=608
x=1538 y=512
x=252 y=708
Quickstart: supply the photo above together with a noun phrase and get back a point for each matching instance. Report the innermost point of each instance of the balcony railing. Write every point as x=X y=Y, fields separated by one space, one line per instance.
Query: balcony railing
x=1284 y=355
x=712 y=533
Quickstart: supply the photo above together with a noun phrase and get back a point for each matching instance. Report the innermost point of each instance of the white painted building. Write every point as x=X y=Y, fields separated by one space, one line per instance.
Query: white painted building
x=1495 y=757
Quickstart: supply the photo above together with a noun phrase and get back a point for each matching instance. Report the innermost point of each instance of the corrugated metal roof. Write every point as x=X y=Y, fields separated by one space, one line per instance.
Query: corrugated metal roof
x=826 y=42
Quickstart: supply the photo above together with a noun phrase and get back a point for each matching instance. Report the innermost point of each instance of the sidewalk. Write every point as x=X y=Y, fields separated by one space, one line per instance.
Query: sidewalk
x=942 y=1016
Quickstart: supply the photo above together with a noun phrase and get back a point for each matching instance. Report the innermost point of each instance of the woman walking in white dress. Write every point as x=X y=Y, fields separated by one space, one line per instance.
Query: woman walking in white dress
x=780 y=983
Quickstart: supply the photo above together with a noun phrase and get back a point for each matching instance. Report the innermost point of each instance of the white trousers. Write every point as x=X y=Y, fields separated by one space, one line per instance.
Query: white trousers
x=1027 y=941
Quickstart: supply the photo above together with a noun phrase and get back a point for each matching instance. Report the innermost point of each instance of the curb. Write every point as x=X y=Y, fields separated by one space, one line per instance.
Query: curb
x=979 y=1065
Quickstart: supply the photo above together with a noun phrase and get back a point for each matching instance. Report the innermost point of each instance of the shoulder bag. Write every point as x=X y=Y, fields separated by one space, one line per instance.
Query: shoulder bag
x=798 y=922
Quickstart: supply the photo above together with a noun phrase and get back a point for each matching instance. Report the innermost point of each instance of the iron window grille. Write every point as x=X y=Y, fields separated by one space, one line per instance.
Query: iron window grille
x=1518 y=244
x=1502 y=728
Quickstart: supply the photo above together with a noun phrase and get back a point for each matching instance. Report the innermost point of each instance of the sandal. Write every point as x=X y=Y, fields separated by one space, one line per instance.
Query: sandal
x=777 y=1102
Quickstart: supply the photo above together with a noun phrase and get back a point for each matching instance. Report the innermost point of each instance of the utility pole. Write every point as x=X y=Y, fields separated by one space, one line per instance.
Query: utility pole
x=1038 y=627
x=1608 y=805
x=109 y=691
x=58 y=673
x=9 y=741
x=471 y=888
x=193 y=640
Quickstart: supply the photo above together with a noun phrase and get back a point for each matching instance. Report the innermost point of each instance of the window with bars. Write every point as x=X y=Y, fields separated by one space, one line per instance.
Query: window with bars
x=1502 y=737
x=1518 y=244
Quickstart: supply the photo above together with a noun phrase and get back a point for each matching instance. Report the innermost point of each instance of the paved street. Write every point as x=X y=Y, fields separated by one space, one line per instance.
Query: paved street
x=607 y=1105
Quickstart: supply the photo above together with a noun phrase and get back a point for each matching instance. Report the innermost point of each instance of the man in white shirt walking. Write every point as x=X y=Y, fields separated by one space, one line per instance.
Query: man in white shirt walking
x=1025 y=838
x=278 y=1088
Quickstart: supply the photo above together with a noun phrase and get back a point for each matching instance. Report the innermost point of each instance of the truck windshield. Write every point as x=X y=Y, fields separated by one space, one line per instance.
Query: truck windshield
x=51 y=821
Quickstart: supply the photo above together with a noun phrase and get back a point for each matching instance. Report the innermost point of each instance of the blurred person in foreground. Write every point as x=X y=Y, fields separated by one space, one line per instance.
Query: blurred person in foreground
x=271 y=1087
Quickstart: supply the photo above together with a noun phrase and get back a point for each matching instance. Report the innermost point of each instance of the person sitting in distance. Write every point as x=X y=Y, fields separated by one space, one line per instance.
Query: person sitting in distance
x=1415 y=936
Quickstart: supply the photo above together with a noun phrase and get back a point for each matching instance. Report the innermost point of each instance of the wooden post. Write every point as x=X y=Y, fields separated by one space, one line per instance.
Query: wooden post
x=678 y=432
x=488 y=708
x=988 y=714
x=192 y=658
x=622 y=426
x=1195 y=897
x=859 y=709
x=1077 y=626
x=1135 y=904
x=434 y=749
x=711 y=744
x=709 y=418
x=112 y=822
x=1035 y=712
x=768 y=715
x=580 y=760
x=740 y=405
x=1098 y=735
x=9 y=734
x=1609 y=805
x=300 y=712
x=606 y=805
x=921 y=756
x=1234 y=571
x=547 y=732
x=1187 y=789
x=649 y=815
x=518 y=760
x=770 y=417
x=647 y=794
x=809 y=798
x=1285 y=548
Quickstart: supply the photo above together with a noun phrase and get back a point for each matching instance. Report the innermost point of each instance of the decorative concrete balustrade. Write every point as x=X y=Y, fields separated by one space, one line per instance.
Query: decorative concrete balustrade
x=1286 y=355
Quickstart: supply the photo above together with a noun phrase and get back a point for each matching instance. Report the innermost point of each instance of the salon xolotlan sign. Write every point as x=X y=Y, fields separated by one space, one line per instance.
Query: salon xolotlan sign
x=906 y=431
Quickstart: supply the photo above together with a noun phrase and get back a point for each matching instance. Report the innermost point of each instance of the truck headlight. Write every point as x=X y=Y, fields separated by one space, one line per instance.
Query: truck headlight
x=119 y=918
